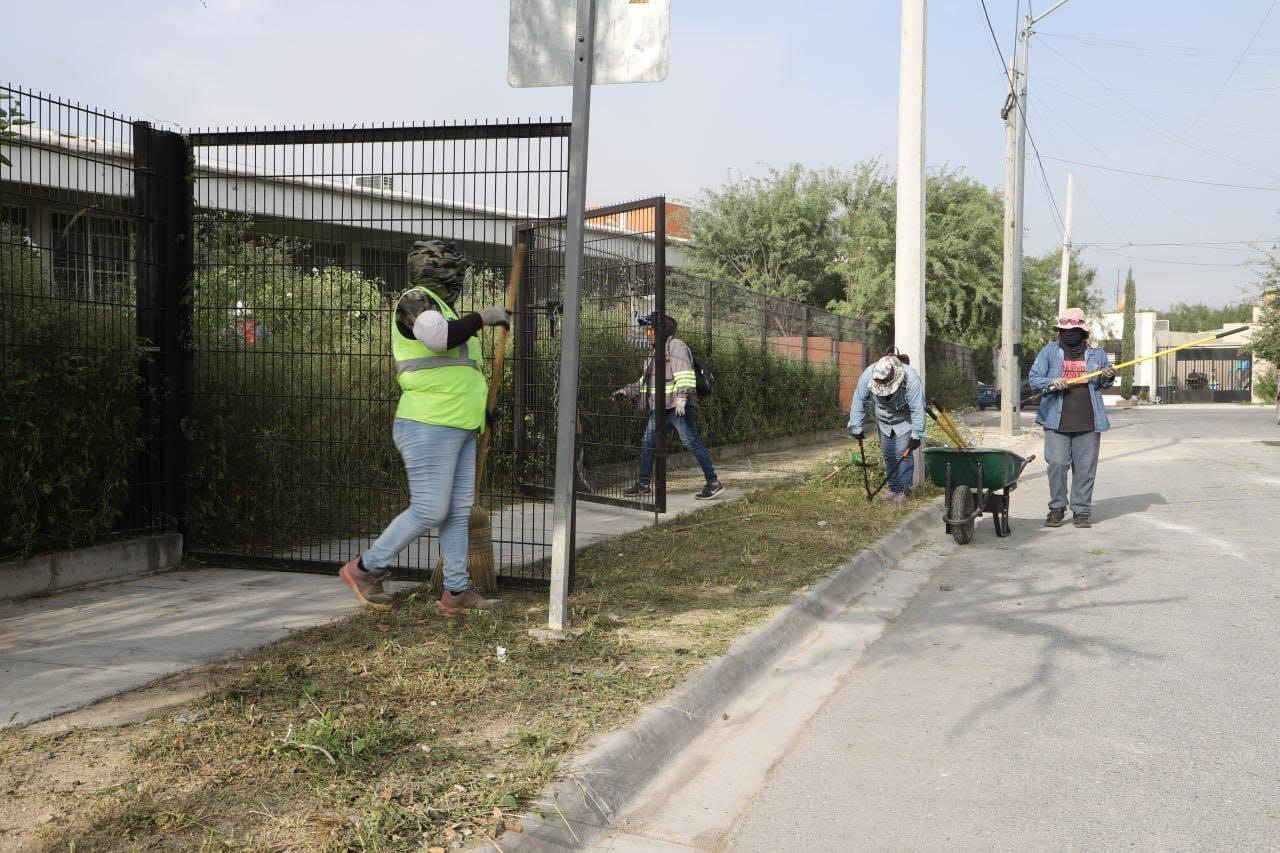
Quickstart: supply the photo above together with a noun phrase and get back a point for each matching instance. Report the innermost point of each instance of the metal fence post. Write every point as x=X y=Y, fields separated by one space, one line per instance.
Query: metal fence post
x=706 y=312
x=165 y=194
x=804 y=336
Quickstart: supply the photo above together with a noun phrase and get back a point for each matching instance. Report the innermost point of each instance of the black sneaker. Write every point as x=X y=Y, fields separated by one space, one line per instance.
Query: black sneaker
x=637 y=490
x=1056 y=518
x=709 y=491
x=1080 y=519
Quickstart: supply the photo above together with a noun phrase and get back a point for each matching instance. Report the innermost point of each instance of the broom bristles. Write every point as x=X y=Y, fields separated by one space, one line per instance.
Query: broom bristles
x=480 y=565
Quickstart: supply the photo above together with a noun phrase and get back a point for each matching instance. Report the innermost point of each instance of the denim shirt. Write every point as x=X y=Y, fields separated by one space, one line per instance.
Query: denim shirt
x=913 y=390
x=1048 y=367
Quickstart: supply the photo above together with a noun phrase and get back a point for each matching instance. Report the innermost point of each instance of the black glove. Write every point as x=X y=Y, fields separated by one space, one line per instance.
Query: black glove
x=914 y=444
x=618 y=395
x=855 y=434
x=493 y=417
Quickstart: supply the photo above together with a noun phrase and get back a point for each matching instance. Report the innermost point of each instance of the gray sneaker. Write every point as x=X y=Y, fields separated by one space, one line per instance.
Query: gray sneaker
x=1080 y=519
x=366 y=585
x=1056 y=518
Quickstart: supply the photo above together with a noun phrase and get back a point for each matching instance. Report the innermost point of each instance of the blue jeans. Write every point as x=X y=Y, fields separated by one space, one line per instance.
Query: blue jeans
x=688 y=430
x=891 y=446
x=1077 y=453
x=441 y=464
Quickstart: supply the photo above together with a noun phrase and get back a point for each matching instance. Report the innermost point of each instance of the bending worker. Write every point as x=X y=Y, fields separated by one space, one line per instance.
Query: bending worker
x=441 y=411
x=1072 y=414
x=681 y=398
x=897 y=394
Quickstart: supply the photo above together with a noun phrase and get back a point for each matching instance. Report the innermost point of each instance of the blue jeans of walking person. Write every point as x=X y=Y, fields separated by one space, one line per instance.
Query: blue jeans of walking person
x=1076 y=453
x=891 y=447
x=689 y=437
x=441 y=464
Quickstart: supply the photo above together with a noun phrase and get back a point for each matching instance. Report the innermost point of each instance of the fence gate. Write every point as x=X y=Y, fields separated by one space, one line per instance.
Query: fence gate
x=624 y=271
x=1205 y=375
x=301 y=238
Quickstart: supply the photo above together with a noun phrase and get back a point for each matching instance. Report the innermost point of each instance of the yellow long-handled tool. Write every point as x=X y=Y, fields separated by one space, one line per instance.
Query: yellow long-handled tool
x=944 y=422
x=1125 y=364
x=480 y=564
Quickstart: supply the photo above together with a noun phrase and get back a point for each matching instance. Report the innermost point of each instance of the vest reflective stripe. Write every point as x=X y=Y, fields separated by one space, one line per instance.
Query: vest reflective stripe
x=441 y=388
x=426 y=363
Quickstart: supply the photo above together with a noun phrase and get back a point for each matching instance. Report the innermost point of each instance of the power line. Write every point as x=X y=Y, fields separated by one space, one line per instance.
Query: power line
x=1166 y=177
x=1022 y=112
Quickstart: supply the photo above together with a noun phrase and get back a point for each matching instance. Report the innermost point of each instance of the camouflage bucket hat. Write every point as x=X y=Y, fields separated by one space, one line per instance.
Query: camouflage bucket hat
x=436 y=262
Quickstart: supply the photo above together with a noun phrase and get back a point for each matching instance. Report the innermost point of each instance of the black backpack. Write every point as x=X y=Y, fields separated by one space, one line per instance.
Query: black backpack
x=704 y=379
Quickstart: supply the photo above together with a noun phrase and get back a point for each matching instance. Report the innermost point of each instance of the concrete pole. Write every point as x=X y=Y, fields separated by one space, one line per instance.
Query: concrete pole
x=1010 y=386
x=562 y=533
x=1019 y=200
x=909 y=291
x=1066 y=248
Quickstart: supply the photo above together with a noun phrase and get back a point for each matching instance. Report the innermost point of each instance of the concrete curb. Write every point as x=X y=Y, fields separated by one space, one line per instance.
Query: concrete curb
x=580 y=807
x=114 y=561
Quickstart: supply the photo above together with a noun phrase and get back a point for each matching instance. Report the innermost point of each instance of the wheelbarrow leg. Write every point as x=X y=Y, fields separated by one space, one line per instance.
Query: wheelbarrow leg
x=1001 y=516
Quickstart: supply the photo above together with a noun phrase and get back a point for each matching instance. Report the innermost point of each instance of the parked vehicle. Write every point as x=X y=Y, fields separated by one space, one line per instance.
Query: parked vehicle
x=987 y=396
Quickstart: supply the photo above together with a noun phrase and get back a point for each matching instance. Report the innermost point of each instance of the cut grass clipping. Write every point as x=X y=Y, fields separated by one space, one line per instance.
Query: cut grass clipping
x=404 y=731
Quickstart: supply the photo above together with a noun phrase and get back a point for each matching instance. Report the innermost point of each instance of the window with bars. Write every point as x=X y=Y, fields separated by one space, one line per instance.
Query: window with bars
x=17 y=218
x=385 y=264
x=92 y=257
x=319 y=254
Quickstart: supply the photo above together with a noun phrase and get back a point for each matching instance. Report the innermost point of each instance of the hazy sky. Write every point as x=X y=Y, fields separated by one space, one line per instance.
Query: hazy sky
x=1158 y=86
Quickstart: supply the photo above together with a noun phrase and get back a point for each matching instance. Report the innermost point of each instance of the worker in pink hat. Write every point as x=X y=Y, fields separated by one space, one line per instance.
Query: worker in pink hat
x=1072 y=414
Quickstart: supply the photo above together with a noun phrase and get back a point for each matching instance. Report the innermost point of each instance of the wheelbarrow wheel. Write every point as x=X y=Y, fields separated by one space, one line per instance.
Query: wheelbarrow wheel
x=960 y=505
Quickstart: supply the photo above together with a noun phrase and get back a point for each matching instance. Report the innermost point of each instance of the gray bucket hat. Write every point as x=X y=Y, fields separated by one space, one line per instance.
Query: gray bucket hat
x=886 y=375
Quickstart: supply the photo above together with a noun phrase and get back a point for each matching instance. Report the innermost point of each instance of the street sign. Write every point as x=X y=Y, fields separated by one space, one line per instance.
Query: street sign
x=631 y=45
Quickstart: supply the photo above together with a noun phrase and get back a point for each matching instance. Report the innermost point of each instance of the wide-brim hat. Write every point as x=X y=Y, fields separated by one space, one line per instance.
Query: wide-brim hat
x=1072 y=318
x=886 y=375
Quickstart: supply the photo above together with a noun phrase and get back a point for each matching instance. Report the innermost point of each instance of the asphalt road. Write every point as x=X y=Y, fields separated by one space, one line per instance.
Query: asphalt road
x=1112 y=688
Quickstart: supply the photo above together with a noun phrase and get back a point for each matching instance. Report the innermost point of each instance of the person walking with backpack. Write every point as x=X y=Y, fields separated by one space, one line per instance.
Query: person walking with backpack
x=897 y=395
x=443 y=395
x=680 y=400
x=1073 y=415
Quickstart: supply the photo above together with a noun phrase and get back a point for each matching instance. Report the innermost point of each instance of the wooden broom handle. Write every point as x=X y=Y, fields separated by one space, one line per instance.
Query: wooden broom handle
x=499 y=360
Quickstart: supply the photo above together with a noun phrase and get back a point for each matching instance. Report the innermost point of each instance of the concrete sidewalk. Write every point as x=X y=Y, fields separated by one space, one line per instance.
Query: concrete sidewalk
x=64 y=651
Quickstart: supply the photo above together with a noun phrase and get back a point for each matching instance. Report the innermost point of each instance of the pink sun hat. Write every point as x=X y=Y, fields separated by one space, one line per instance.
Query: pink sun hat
x=1072 y=318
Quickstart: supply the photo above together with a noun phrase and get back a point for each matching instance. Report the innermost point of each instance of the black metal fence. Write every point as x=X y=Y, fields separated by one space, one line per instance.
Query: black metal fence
x=196 y=333
x=1205 y=375
x=301 y=241
x=89 y=204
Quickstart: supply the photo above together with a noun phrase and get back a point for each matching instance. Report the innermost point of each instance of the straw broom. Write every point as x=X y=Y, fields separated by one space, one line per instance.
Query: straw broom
x=480 y=564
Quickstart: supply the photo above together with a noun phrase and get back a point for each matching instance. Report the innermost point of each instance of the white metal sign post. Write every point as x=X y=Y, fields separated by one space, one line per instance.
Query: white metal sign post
x=627 y=45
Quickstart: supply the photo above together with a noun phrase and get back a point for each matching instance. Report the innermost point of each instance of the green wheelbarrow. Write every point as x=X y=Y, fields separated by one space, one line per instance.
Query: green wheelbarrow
x=975 y=480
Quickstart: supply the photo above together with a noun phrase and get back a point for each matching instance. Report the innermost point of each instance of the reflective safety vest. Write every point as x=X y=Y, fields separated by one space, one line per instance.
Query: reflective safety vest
x=441 y=388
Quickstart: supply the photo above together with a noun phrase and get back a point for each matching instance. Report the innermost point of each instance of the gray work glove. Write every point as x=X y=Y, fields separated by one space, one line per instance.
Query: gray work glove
x=1108 y=373
x=1059 y=385
x=495 y=315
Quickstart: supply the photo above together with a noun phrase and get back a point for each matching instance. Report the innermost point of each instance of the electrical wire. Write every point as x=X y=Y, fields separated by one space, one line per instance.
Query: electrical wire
x=1058 y=221
x=1196 y=181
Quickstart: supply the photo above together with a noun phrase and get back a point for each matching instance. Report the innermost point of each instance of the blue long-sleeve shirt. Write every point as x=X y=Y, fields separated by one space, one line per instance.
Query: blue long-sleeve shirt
x=914 y=399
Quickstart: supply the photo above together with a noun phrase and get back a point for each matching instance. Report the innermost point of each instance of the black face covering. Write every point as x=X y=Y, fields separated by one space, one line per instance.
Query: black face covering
x=1072 y=342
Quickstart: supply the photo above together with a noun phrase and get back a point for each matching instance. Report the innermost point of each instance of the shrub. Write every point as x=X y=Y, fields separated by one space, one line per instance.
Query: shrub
x=1266 y=386
x=69 y=410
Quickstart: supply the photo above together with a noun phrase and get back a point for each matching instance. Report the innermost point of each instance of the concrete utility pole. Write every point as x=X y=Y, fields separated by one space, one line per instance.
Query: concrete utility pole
x=1066 y=248
x=1011 y=342
x=908 y=306
x=908 y=303
x=1010 y=303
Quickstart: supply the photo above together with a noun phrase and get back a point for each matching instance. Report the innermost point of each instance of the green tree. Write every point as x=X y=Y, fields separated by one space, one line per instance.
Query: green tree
x=1129 y=333
x=772 y=234
x=1199 y=317
x=10 y=117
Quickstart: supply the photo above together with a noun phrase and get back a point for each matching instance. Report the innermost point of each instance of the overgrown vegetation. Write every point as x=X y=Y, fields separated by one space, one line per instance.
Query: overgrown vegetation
x=827 y=238
x=69 y=409
x=402 y=731
x=1199 y=317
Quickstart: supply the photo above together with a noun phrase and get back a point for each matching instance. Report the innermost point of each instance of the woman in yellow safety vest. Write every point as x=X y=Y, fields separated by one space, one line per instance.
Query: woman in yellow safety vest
x=441 y=411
